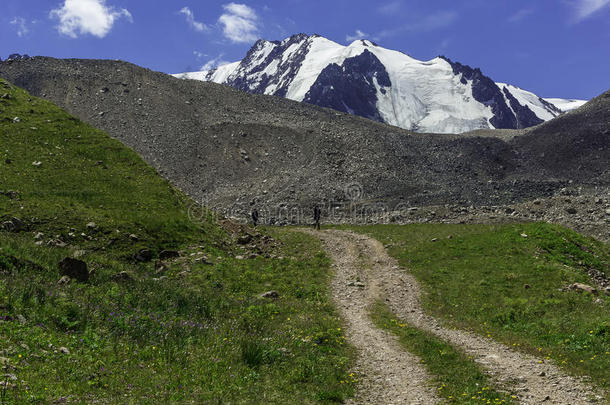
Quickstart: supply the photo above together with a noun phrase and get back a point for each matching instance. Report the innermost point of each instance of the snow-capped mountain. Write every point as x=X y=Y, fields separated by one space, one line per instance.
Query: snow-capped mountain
x=365 y=79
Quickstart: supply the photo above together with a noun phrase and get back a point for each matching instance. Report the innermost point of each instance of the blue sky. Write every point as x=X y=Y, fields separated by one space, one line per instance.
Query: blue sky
x=555 y=48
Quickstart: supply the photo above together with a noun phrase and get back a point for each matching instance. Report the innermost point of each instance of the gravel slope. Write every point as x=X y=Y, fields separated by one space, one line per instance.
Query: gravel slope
x=230 y=149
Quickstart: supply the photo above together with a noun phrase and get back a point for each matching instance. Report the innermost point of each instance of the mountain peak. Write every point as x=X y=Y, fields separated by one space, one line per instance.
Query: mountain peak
x=390 y=86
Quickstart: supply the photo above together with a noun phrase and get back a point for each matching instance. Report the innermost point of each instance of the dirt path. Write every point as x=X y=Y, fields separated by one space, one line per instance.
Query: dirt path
x=388 y=367
x=388 y=374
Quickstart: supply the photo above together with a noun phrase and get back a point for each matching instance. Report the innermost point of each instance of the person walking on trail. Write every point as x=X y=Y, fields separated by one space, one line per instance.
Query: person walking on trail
x=316 y=217
x=255 y=217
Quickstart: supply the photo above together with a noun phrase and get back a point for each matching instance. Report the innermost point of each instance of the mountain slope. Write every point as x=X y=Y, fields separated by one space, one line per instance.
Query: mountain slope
x=568 y=144
x=187 y=329
x=365 y=79
x=232 y=149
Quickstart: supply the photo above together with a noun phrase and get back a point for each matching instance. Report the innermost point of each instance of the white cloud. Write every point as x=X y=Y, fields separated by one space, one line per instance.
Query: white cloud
x=239 y=23
x=390 y=8
x=214 y=63
x=21 y=25
x=520 y=15
x=427 y=23
x=444 y=45
x=190 y=19
x=586 y=8
x=358 y=35
x=81 y=17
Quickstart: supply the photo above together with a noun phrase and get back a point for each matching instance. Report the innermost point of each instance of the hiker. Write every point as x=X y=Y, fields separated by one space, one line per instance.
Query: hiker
x=255 y=217
x=316 y=217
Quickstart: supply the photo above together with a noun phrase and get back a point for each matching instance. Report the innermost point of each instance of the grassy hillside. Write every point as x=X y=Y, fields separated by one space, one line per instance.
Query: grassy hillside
x=506 y=281
x=187 y=329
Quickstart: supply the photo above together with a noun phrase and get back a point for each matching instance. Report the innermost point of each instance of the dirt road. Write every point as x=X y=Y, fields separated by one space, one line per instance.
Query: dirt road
x=364 y=273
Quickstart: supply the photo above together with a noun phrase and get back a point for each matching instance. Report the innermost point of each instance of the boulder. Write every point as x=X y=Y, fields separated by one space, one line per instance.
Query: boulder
x=74 y=268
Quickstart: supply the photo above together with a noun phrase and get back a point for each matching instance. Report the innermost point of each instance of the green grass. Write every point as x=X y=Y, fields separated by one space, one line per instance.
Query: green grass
x=492 y=280
x=201 y=335
x=458 y=378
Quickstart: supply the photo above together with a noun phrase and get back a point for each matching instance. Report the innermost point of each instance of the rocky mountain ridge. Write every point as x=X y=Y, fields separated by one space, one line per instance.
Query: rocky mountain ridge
x=232 y=150
x=367 y=80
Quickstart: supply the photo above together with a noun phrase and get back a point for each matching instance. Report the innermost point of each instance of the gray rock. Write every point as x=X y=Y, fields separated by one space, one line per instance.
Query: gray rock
x=122 y=277
x=57 y=243
x=271 y=295
x=65 y=280
x=580 y=287
x=244 y=239
x=13 y=225
x=144 y=255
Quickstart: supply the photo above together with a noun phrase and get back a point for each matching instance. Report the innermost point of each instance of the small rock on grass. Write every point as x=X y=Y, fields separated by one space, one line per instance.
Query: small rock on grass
x=144 y=255
x=64 y=350
x=271 y=295
x=122 y=277
x=65 y=280
x=13 y=225
x=582 y=287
